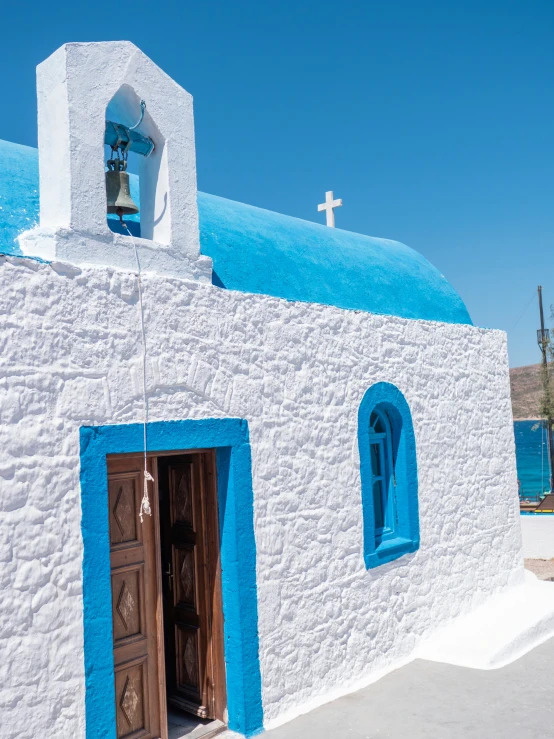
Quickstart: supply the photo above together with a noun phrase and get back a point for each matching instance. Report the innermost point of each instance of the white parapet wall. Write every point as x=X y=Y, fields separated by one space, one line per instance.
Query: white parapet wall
x=538 y=536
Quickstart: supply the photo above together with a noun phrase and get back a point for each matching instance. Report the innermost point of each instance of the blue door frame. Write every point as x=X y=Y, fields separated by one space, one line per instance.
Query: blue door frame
x=229 y=437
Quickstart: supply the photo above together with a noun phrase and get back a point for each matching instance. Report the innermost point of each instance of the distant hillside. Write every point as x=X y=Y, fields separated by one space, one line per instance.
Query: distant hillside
x=526 y=391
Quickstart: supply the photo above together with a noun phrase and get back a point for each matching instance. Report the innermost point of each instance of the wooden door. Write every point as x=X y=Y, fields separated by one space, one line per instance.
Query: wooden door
x=193 y=621
x=138 y=699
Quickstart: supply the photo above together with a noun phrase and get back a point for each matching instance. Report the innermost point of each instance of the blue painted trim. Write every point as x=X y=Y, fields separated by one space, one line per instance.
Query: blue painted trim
x=229 y=436
x=23 y=256
x=387 y=397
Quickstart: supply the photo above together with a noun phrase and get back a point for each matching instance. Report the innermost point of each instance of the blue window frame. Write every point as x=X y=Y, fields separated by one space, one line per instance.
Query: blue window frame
x=388 y=473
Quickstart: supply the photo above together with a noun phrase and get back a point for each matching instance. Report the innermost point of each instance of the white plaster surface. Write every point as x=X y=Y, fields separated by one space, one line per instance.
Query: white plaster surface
x=70 y=355
x=538 y=536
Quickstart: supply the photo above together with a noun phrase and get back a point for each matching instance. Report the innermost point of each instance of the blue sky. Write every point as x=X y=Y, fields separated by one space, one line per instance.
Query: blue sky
x=433 y=121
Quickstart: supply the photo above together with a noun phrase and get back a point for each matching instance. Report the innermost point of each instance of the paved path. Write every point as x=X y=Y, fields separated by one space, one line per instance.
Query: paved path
x=428 y=700
x=543 y=568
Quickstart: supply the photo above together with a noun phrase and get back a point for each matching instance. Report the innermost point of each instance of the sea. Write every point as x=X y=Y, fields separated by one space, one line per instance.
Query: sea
x=531 y=457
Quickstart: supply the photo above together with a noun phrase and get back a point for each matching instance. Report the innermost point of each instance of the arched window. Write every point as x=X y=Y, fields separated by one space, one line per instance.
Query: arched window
x=388 y=472
x=382 y=470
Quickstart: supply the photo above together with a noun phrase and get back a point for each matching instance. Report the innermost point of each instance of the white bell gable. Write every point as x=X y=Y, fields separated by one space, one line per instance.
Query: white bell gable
x=79 y=86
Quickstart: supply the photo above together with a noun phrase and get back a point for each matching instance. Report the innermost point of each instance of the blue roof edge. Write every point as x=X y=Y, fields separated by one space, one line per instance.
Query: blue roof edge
x=262 y=252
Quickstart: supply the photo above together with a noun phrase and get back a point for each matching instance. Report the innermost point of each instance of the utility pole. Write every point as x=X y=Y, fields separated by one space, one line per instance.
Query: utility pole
x=543 y=340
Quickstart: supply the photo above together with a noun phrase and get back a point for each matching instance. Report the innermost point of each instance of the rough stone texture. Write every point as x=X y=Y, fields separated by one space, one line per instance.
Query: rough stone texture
x=70 y=355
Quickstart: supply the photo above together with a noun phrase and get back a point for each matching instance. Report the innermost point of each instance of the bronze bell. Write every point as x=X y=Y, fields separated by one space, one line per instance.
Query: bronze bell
x=118 y=192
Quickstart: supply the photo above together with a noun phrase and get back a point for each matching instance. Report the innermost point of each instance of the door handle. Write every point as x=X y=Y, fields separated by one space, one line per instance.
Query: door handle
x=169 y=574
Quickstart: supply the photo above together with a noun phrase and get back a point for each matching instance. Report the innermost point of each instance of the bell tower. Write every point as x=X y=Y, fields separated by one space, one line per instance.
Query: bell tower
x=79 y=87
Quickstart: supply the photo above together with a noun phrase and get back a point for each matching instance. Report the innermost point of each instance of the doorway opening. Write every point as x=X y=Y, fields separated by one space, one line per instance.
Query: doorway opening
x=166 y=598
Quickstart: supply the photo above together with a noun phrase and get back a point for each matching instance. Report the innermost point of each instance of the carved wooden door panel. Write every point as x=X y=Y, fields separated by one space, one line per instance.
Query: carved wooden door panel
x=193 y=622
x=134 y=603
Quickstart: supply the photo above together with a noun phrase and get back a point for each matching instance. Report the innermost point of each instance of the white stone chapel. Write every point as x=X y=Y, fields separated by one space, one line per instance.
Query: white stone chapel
x=249 y=463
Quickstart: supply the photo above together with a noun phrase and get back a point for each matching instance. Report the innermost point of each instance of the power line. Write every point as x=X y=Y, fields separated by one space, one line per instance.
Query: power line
x=522 y=312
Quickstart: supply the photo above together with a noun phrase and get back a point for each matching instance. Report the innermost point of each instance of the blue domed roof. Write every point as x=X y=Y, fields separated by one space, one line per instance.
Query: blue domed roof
x=259 y=251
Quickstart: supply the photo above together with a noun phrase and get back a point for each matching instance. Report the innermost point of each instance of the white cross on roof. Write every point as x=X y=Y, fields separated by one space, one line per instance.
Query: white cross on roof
x=328 y=207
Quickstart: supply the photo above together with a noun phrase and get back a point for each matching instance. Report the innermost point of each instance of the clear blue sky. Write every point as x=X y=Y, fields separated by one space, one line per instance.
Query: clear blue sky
x=434 y=121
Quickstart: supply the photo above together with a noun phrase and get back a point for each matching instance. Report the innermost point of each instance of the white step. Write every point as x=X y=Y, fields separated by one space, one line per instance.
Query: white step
x=494 y=634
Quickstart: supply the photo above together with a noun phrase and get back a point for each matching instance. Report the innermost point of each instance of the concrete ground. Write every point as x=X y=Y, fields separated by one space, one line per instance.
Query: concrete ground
x=542 y=568
x=429 y=700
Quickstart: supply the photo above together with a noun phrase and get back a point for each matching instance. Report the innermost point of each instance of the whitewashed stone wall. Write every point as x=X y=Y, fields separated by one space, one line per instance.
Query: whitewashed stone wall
x=70 y=355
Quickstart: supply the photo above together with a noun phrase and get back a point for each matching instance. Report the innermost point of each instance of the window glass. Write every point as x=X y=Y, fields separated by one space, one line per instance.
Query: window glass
x=378 y=504
x=376 y=424
x=375 y=460
x=381 y=469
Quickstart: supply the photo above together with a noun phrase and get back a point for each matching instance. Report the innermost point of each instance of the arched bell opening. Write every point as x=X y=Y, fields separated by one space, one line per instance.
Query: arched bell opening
x=136 y=181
